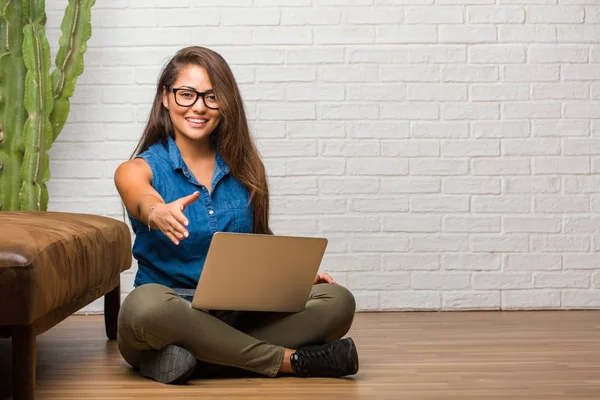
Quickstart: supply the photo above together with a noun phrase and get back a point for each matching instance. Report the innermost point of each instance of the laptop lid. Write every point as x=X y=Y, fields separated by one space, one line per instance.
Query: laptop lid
x=252 y=272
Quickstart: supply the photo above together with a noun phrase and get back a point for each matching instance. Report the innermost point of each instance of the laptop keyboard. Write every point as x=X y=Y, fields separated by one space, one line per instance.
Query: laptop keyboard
x=185 y=294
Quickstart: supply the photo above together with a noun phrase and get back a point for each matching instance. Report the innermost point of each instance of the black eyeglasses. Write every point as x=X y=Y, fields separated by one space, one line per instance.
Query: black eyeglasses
x=186 y=97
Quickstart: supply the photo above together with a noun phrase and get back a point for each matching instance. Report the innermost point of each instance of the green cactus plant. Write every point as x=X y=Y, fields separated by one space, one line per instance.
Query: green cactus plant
x=34 y=104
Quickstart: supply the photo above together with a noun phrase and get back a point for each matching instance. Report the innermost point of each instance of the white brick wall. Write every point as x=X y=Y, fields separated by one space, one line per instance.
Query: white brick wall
x=448 y=149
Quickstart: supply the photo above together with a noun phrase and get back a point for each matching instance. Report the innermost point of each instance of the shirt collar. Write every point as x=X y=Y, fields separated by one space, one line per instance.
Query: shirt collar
x=175 y=158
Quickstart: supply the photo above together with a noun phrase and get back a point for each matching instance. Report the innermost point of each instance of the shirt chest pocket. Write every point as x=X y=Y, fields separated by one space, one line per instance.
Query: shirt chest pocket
x=240 y=213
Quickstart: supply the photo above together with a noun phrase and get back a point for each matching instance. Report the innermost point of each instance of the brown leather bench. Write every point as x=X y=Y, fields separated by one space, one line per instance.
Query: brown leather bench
x=51 y=265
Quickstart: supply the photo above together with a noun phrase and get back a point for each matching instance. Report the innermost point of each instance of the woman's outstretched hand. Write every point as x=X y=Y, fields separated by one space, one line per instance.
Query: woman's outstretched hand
x=170 y=220
x=324 y=277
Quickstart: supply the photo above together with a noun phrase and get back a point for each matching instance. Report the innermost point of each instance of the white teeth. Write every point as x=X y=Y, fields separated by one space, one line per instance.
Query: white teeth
x=197 y=121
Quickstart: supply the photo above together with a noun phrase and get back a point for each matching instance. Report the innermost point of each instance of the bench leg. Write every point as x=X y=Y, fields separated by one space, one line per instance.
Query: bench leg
x=23 y=359
x=112 y=304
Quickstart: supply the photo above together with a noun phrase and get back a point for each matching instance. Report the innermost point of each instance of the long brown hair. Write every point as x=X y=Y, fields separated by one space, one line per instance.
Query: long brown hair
x=232 y=136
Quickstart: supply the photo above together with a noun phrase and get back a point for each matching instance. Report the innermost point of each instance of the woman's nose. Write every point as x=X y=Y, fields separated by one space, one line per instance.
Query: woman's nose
x=199 y=105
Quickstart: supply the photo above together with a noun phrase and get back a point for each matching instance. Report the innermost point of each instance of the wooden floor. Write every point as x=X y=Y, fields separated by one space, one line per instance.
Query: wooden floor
x=460 y=355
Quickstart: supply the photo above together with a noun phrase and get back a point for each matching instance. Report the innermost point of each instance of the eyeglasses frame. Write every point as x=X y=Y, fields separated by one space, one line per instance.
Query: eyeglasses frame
x=198 y=95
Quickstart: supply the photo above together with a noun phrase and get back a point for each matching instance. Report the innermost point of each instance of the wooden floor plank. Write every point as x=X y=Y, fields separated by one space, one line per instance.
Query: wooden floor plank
x=453 y=355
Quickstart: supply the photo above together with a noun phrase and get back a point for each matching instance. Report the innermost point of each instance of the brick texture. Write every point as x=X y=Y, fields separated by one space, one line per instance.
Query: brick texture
x=446 y=148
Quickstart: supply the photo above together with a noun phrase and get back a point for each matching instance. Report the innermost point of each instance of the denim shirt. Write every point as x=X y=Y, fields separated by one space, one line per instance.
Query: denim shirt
x=225 y=209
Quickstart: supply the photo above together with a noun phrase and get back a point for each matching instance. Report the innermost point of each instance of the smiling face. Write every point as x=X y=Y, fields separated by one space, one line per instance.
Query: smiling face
x=196 y=122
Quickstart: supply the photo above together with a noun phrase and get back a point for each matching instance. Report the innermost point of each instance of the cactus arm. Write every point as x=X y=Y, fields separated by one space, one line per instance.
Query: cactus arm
x=35 y=11
x=35 y=170
x=4 y=27
x=12 y=93
x=76 y=30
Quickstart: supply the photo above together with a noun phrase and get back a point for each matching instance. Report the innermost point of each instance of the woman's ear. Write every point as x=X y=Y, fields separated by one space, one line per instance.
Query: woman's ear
x=165 y=98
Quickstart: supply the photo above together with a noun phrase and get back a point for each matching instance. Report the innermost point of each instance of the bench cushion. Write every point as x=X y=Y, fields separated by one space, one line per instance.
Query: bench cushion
x=48 y=259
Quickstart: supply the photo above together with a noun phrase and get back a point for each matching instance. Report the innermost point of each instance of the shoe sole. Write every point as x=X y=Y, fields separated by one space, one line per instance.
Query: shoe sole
x=172 y=364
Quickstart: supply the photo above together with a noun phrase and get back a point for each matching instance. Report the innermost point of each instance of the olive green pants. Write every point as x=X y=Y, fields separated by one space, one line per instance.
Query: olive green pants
x=154 y=316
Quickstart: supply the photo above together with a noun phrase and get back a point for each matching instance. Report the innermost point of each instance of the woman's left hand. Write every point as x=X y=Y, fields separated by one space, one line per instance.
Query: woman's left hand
x=324 y=278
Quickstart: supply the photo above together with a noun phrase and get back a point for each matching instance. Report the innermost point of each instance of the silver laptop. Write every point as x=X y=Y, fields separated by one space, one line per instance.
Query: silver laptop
x=252 y=272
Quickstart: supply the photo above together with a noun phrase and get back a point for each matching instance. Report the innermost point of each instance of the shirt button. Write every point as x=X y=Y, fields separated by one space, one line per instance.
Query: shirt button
x=211 y=212
x=187 y=174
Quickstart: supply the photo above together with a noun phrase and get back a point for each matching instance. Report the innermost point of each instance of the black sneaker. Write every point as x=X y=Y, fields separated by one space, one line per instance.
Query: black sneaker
x=172 y=364
x=335 y=359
